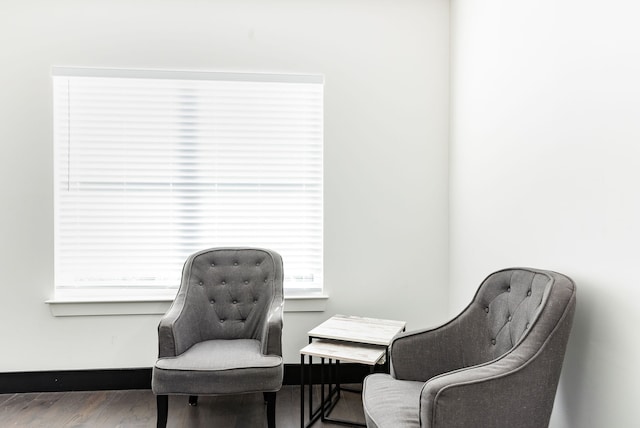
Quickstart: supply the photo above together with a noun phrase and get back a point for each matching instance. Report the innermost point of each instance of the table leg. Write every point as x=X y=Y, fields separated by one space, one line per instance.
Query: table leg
x=302 y=391
x=322 y=389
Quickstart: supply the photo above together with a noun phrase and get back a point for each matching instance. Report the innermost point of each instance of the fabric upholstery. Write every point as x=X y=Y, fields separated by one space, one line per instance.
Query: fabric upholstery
x=225 y=366
x=223 y=332
x=394 y=403
x=497 y=364
x=220 y=355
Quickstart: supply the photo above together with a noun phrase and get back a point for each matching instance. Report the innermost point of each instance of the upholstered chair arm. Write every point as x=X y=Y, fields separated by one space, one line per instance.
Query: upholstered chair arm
x=272 y=333
x=517 y=389
x=176 y=332
x=422 y=354
x=481 y=395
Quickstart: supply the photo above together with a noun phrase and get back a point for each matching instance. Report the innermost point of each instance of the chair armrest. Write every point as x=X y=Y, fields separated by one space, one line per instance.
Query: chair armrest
x=272 y=332
x=422 y=354
x=174 y=336
x=515 y=390
x=511 y=391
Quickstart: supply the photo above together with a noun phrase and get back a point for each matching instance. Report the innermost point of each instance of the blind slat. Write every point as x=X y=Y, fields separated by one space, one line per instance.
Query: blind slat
x=151 y=168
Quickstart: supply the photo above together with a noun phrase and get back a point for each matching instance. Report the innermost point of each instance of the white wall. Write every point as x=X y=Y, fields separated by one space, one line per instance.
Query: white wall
x=545 y=172
x=386 y=96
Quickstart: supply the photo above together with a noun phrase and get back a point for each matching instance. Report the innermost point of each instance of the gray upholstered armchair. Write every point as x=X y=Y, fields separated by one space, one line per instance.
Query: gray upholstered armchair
x=222 y=335
x=496 y=365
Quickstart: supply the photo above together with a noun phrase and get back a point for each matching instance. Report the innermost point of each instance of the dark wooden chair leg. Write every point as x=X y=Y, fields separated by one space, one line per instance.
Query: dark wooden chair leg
x=193 y=400
x=163 y=410
x=270 y=398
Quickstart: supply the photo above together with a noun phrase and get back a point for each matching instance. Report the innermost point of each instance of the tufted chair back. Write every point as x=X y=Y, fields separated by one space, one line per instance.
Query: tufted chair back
x=228 y=292
x=505 y=306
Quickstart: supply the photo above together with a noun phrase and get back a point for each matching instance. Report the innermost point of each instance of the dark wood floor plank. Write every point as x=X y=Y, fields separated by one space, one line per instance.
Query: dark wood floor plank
x=86 y=404
x=137 y=409
x=210 y=412
x=251 y=411
x=133 y=408
x=5 y=397
x=37 y=411
x=349 y=408
x=13 y=408
x=288 y=398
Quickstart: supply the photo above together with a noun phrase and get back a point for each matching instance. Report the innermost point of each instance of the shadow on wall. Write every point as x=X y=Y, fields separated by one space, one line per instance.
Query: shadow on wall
x=573 y=388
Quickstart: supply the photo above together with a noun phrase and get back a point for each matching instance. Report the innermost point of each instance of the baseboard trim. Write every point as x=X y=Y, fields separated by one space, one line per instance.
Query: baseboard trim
x=349 y=373
x=75 y=380
x=140 y=378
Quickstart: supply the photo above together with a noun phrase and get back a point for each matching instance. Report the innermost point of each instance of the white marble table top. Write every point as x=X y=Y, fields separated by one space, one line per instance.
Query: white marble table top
x=358 y=329
x=345 y=351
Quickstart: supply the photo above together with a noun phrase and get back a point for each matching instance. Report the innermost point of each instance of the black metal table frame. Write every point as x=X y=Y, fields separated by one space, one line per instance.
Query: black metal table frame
x=329 y=400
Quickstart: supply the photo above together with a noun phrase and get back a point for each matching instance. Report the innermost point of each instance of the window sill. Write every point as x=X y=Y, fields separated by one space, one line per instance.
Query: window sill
x=147 y=306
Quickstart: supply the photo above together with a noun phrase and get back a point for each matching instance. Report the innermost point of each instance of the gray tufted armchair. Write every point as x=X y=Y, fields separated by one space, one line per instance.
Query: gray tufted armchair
x=222 y=335
x=496 y=365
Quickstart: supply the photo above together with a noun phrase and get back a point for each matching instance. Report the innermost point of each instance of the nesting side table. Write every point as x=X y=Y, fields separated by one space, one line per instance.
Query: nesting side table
x=348 y=339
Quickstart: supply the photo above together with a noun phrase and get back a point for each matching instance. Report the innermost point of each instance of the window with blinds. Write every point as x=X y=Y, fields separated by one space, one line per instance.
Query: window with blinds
x=151 y=166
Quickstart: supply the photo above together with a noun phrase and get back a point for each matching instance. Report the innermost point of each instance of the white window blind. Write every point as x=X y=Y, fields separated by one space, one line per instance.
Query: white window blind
x=151 y=166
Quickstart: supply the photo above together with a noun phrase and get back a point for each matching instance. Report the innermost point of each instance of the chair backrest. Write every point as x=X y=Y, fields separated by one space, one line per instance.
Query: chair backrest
x=508 y=305
x=228 y=291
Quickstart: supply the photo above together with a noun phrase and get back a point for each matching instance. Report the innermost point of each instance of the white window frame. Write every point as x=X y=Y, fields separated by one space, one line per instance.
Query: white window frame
x=70 y=285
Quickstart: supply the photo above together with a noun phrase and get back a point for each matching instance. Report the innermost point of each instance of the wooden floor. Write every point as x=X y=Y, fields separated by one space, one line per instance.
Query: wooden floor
x=137 y=408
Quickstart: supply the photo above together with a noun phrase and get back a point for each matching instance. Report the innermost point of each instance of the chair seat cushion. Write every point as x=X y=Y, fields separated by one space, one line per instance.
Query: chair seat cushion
x=218 y=367
x=391 y=403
